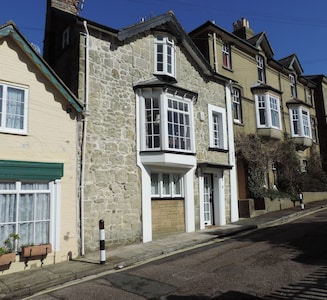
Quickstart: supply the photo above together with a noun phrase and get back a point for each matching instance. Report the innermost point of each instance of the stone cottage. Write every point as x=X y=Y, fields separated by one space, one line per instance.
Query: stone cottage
x=157 y=149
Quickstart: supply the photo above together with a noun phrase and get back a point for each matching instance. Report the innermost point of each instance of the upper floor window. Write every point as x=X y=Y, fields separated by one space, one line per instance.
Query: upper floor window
x=217 y=127
x=309 y=95
x=166 y=185
x=65 y=38
x=168 y=123
x=300 y=122
x=226 y=56
x=268 y=111
x=13 y=109
x=237 y=108
x=261 y=69
x=165 y=55
x=293 y=86
x=314 y=129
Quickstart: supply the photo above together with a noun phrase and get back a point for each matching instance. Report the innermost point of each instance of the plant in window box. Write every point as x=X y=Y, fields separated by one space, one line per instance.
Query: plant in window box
x=36 y=252
x=7 y=251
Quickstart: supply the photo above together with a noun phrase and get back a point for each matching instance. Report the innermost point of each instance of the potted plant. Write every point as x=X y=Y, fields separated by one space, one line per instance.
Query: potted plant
x=7 y=251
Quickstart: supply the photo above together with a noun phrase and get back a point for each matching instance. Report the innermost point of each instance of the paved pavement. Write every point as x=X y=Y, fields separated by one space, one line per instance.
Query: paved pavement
x=26 y=283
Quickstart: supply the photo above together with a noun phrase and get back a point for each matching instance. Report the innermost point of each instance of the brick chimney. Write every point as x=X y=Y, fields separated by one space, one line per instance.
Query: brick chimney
x=242 y=29
x=69 y=6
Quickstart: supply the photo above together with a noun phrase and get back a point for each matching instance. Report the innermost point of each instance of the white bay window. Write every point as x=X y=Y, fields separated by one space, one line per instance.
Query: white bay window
x=166 y=122
x=300 y=122
x=268 y=111
x=164 y=55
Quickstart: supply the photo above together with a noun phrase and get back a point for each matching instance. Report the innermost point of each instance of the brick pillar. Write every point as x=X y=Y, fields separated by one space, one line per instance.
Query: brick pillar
x=69 y=6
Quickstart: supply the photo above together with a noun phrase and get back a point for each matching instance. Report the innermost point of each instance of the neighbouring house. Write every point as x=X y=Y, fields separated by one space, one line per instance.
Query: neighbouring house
x=38 y=153
x=273 y=106
x=320 y=97
x=158 y=149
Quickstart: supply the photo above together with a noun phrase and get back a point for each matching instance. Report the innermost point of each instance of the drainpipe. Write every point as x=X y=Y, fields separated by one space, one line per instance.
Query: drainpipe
x=86 y=112
x=231 y=155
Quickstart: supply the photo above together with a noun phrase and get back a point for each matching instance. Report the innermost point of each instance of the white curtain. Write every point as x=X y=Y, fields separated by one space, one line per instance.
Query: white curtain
x=15 y=108
x=33 y=206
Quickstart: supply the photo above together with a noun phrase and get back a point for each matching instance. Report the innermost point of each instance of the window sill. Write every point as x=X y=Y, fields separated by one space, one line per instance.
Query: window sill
x=218 y=149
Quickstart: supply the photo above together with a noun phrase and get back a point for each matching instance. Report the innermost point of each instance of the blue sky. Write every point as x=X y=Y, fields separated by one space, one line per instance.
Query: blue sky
x=291 y=26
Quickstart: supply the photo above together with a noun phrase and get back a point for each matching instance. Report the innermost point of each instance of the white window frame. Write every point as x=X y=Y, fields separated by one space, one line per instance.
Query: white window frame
x=226 y=53
x=165 y=55
x=180 y=141
x=309 y=95
x=237 y=105
x=217 y=135
x=301 y=116
x=293 y=86
x=261 y=68
x=172 y=185
x=266 y=105
x=4 y=111
x=17 y=192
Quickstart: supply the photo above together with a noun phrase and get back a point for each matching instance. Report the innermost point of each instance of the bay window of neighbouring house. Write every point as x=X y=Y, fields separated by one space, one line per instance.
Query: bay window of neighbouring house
x=168 y=123
x=261 y=69
x=13 y=109
x=226 y=56
x=166 y=185
x=237 y=108
x=217 y=127
x=164 y=55
x=268 y=111
x=300 y=122
x=25 y=209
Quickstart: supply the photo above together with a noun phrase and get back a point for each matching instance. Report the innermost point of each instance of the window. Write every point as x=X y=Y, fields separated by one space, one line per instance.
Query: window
x=65 y=38
x=268 y=111
x=13 y=109
x=293 y=86
x=300 y=122
x=25 y=209
x=261 y=69
x=237 y=109
x=217 y=127
x=164 y=55
x=168 y=123
x=226 y=56
x=166 y=185
x=309 y=96
x=314 y=129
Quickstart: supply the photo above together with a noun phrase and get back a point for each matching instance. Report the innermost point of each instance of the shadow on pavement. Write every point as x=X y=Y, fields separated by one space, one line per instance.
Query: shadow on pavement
x=230 y=295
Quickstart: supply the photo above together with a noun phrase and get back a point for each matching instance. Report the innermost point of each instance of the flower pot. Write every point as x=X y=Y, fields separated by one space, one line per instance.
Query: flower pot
x=37 y=250
x=7 y=259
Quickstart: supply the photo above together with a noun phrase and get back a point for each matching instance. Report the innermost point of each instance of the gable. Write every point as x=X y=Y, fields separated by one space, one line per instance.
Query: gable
x=9 y=33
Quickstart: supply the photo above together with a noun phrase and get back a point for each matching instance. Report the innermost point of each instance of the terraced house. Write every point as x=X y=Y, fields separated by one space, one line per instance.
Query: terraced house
x=157 y=148
x=273 y=106
x=38 y=178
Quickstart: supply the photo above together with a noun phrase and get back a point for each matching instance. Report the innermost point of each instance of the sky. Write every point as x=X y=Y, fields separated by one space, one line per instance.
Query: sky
x=291 y=26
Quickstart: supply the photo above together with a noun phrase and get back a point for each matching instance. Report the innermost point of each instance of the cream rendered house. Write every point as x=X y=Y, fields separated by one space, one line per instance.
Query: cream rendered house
x=38 y=153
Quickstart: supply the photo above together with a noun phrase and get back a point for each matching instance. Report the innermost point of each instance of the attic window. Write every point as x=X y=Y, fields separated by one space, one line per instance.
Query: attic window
x=65 y=38
x=164 y=55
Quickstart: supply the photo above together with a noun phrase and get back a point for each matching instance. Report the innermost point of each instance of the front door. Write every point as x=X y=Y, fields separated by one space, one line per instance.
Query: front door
x=207 y=196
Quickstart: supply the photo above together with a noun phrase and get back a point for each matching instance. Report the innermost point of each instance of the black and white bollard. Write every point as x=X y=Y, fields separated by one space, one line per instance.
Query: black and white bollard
x=102 y=243
x=301 y=200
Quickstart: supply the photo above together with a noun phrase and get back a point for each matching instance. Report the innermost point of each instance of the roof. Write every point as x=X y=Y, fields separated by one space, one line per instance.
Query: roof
x=261 y=39
x=169 y=22
x=10 y=30
x=291 y=62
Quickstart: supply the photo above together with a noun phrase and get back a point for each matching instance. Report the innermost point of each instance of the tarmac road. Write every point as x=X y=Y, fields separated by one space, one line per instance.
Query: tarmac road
x=282 y=262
